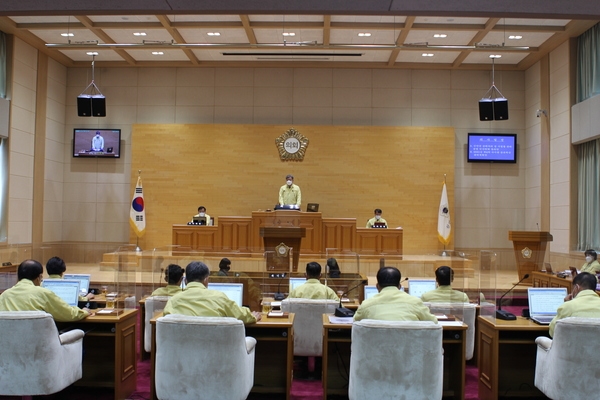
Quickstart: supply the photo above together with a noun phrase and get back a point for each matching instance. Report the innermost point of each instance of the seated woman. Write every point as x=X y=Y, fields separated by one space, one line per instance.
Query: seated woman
x=333 y=268
x=591 y=264
x=173 y=277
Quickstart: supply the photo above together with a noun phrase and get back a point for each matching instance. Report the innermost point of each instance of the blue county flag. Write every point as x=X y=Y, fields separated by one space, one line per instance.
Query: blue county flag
x=444 y=227
x=137 y=214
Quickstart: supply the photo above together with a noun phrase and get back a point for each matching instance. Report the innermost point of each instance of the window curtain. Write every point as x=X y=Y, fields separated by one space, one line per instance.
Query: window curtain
x=588 y=64
x=589 y=195
x=2 y=65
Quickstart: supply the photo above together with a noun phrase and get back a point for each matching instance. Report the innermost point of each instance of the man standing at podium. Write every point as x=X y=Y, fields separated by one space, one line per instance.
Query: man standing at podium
x=289 y=194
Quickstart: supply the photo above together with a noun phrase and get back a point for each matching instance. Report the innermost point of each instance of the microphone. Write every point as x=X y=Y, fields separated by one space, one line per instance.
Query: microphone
x=343 y=311
x=505 y=315
x=538 y=226
x=279 y=296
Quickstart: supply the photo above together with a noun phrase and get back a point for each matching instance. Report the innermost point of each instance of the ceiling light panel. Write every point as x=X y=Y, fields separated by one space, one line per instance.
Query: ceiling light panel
x=532 y=39
x=169 y=55
x=126 y=35
x=454 y=37
x=366 y=19
x=439 y=57
x=79 y=55
x=54 y=35
x=483 y=57
x=233 y=35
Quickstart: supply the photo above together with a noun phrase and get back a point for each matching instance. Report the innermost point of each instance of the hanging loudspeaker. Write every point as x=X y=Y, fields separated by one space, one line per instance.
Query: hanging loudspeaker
x=486 y=110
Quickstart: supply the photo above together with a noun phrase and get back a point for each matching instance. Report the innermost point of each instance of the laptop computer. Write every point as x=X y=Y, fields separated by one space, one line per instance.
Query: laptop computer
x=543 y=303
x=548 y=268
x=235 y=291
x=379 y=225
x=416 y=287
x=370 y=291
x=199 y=220
x=312 y=207
x=84 y=281
x=66 y=289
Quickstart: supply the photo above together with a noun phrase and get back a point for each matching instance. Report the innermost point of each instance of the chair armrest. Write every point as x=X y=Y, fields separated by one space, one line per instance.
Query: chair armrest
x=71 y=336
x=250 y=344
x=544 y=343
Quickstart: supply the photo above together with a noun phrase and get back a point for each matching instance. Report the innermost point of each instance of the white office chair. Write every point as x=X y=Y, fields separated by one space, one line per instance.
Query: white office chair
x=203 y=358
x=466 y=313
x=34 y=358
x=566 y=366
x=308 y=323
x=396 y=360
x=152 y=306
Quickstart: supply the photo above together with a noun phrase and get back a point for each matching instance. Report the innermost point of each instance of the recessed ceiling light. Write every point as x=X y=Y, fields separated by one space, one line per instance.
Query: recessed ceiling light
x=213 y=33
x=67 y=34
x=427 y=54
x=515 y=37
x=495 y=55
x=289 y=34
x=139 y=33
x=440 y=35
x=157 y=53
x=92 y=53
x=364 y=34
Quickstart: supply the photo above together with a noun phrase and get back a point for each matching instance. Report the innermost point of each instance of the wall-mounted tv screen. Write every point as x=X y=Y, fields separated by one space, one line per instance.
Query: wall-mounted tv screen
x=105 y=143
x=492 y=147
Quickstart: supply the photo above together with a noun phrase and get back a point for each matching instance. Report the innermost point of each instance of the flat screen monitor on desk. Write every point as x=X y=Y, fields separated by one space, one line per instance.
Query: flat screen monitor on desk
x=235 y=291
x=66 y=289
x=84 y=281
x=416 y=287
x=295 y=282
x=199 y=220
x=370 y=291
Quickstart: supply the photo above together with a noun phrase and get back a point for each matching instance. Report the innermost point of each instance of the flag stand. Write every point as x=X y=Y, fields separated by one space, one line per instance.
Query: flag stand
x=138 y=249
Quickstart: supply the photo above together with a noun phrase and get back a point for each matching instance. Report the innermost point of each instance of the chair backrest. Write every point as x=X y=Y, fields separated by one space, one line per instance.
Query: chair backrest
x=396 y=360
x=33 y=360
x=308 y=323
x=202 y=357
x=152 y=306
x=464 y=312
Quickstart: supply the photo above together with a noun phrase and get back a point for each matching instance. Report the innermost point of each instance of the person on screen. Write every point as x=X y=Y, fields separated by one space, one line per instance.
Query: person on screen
x=98 y=142
x=290 y=194
x=197 y=300
x=224 y=267
x=56 y=268
x=333 y=268
x=444 y=293
x=582 y=302
x=312 y=288
x=391 y=303
x=28 y=295
x=173 y=277
x=202 y=213
x=376 y=218
x=591 y=264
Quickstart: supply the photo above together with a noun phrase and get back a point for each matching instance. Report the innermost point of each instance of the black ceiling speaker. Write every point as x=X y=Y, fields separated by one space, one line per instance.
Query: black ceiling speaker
x=493 y=109
x=93 y=103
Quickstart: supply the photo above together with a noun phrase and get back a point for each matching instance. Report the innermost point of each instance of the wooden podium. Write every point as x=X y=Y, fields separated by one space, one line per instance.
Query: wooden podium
x=530 y=249
x=289 y=236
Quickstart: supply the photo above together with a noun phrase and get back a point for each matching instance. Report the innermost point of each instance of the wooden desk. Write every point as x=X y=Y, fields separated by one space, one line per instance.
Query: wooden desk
x=507 y=356
x=274 y=354
x=336 y=352
x=109 y=351
x=544 y=279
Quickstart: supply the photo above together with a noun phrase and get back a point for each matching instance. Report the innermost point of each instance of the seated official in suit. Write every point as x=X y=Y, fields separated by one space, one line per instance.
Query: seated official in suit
x=582 y=302
x=391 y=303
x=313 y=289
x=290 y=194
x=333 y=268
x=197 y=300
x=56 y=268
x=224 y=267
x=444 y=293
x=28 y=295
x=591 y=264
x=173 y=277
x=202 y=214
x=377 y=219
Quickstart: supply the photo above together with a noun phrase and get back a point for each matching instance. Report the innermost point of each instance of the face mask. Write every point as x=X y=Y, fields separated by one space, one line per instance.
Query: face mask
x=289 y=183
x=202 y=214
x=378 y=217
x=588 y=259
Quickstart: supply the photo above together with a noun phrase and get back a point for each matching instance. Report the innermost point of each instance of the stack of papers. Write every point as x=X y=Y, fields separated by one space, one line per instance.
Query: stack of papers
x=340 y=320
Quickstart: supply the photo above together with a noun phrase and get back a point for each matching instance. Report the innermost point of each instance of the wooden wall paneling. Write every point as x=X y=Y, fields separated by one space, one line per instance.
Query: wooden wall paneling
x=236 y=234
x=339 y=234
x=391 y=241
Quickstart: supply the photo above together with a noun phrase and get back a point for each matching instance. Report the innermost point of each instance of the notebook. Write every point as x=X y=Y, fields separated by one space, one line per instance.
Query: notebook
x=66 y=289
x=416 y=287
x=543 y=303
x=295 y=282
x=84 y=281
x=235 y=291
x=370 y=291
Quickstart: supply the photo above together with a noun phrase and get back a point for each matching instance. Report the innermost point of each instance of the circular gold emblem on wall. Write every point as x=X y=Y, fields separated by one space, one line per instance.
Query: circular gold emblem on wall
x=291 y=145
x=526 y=252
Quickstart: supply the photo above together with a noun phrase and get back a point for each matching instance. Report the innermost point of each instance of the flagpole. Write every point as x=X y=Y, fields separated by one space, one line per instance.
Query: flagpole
x=138 y=249
x=444 y=254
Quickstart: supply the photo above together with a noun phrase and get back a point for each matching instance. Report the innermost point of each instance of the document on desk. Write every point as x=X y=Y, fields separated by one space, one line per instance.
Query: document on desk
x=450 y=323
x=340 y=320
